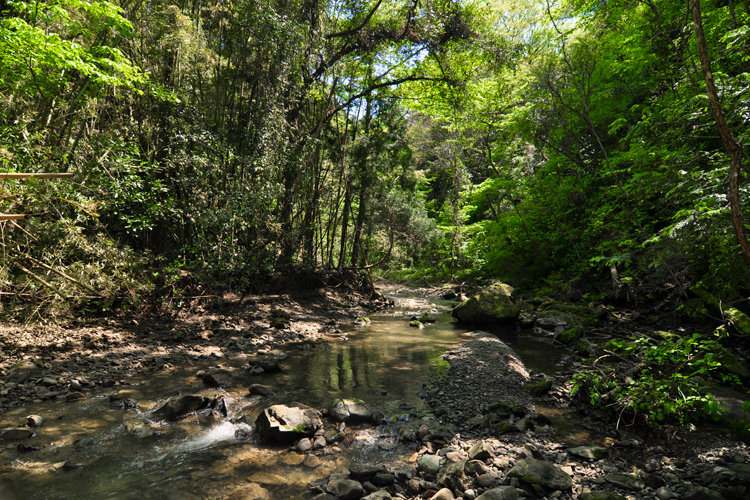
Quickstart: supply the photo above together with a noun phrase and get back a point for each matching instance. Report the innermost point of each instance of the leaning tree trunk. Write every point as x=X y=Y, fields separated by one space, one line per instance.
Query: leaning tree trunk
x=734 y=149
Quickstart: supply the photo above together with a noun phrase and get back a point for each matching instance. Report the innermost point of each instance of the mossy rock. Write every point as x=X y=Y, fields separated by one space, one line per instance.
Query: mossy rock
x=501 y=408
x=493 y=305
x=567 y=337
x=541 y=388
x=415 y=323
x=730 y=364
x=662 y=335
x=507 y=428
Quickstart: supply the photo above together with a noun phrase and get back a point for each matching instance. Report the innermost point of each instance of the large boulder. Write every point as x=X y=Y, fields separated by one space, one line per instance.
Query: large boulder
x=281 y=423
x=22 y=371
x=532 y=471
x=494 y=304
x=453 y=476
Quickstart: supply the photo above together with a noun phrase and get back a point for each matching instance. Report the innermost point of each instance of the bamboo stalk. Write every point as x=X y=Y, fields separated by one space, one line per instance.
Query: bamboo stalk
x=14 y=216
x=25 y=231
x=18 y=175
x=62 y=274
x=43 y=282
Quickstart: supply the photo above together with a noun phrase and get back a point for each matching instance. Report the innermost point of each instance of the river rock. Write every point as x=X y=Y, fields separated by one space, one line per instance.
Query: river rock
x=444 y=494
x=493 y=305
x=75 y=396
x=17 y=434
x=34 y=421
x=383 y=479
x=590 y=452
x=350 y=411
x=600 y=495
x=627 y=481
x=664 y=493
x=143 y=430
x=429 y=464
x=182 y=405
x=346 y=489
x=22 y=371
x=304 y=445
x=218 y=378
x=363 y=472
x=261 y=390
x=703 y=493
x=500 y=493
x=480 y=451
x=453 y=476
x=532 y=471
x=378 y=495
x=268 y=364
x=281 y=423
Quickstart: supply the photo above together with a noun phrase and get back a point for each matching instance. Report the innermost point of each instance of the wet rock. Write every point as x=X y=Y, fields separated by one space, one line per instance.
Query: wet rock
x=626 y=481
x=350 y=411
x=703 y=493
x=22 y=371
x=429 y=464
x=532 y=471
x=319 y=442
x=268 y=364
x=492 y=305
x=500 y=493
x=119 y=402
x=71 y=465
x=75 y=396
x=17 y=434
x=34 y=421
x=311 y=461
x=143 y=430
x=182 y=405
x=590 y=452
x=49 y=381
x=261 y=390
x=346 y=489
x=281 y=423
x=505 y=410
x=481 y=451
x=363 y=472
x=218 y=378
x=600 y=495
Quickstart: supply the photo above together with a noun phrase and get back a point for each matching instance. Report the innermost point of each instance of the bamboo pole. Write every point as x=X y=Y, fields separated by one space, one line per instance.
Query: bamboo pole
x=14 y=216
x=17 y=175
x=62 y=274
x=43 y=282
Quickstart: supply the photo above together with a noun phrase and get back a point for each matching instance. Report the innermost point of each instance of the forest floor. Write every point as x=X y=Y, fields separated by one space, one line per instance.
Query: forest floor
x=44 y=362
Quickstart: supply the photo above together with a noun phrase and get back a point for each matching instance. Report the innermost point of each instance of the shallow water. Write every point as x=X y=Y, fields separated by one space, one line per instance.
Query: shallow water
x=202 y=456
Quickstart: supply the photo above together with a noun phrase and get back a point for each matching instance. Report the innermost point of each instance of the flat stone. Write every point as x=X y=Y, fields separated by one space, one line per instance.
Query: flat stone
x=363 y=472
x=383 y=479
x=590 y=452
x=350 y=411
x=532 y=471
x=627 y=481
x=17 y=434
x=261 y=390
x=499 y=493
x=600 y=495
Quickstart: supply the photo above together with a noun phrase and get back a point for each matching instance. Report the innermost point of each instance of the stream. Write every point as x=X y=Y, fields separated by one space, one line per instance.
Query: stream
x=88 y=449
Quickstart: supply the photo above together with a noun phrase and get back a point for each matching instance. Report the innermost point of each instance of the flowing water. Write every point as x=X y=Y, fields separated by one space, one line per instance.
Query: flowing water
x=88 y=450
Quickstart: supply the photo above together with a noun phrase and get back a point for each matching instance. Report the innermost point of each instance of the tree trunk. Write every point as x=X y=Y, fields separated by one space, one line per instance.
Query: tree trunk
x=734 y=149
